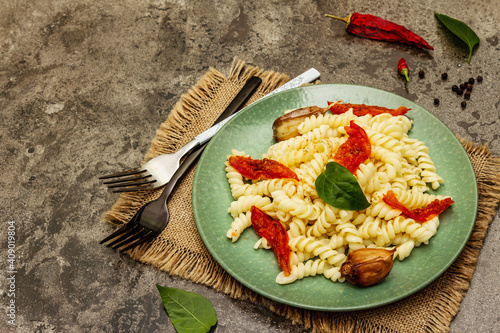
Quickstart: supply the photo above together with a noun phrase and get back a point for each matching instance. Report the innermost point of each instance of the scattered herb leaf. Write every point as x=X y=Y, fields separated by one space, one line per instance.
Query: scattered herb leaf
x=461 y=30
x=188 y=312
x=339 y=188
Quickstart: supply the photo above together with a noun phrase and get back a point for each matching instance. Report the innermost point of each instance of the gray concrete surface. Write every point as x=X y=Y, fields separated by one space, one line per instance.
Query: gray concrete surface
x=84 y=84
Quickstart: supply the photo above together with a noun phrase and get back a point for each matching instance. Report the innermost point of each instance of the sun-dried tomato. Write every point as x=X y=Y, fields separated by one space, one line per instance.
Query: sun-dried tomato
x=276 y=237
x=421 y=215
x=433 y=209
x=362 y=109
x=260 y=169
x=355 y=150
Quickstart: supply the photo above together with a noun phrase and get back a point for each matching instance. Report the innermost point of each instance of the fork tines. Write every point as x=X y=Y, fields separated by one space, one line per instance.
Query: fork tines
x=134 y=237
x=130 y=235
x=128 y=181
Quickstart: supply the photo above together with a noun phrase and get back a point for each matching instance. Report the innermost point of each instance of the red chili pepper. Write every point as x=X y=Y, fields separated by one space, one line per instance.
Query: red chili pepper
x=403 y=68
x=374 y=27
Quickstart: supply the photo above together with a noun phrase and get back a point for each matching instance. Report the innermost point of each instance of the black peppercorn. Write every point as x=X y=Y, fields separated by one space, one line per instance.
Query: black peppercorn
x=462 y=86
x=454 y=88
x=467 y=95
x=460 y=92
x=471 y=80
x=444 y=76
x=436 y=101
x=469 y=87
x=463 y=104
x=421 y=73
x=479 y=78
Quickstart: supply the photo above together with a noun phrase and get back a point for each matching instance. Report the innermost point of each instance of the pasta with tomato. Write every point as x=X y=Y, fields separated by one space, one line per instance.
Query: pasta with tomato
x=319 y=234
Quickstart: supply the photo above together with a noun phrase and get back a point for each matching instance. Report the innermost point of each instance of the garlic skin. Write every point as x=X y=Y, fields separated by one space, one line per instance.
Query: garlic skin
x=367 y=266
x=285 y=126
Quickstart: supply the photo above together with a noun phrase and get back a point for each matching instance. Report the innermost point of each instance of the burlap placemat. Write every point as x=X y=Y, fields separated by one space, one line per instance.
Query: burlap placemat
x=180 y=251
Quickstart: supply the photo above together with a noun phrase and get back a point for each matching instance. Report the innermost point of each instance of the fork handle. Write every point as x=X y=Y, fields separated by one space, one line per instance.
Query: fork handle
x=237 y=102
x=240 y=99
x=182 y=170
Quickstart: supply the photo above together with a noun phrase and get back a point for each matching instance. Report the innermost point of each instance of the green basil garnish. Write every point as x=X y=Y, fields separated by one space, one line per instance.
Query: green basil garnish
x=338 y=187
x=188 y=312
x=461 y=30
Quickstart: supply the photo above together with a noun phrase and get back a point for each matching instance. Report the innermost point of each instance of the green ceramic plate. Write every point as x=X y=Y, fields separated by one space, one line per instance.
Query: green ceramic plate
x=250 y=131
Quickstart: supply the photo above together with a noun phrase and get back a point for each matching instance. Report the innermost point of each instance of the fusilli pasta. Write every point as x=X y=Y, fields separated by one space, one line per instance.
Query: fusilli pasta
x=321 y=235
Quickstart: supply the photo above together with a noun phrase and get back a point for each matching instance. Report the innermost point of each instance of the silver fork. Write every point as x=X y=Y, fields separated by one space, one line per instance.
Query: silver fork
x=159 y=170
x=150 y=220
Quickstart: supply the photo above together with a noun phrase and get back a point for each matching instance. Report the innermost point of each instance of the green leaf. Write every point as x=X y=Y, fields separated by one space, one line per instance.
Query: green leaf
x=339 y=188
x=188 y=312
x=461 y=30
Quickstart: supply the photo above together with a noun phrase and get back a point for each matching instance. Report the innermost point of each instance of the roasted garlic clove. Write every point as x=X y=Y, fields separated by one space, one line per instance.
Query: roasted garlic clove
x=285 y=126
x=367 y=266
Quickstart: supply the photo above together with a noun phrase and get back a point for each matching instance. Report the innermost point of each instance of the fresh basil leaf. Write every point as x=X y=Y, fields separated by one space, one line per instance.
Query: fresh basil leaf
x=338 y=187
x=188 y=312
x=461 y=30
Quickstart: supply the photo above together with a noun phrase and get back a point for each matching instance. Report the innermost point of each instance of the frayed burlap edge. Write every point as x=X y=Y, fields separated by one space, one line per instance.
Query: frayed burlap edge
x=456 y=280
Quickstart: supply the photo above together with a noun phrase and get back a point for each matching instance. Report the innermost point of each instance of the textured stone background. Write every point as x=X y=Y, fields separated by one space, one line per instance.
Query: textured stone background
x=85 y=84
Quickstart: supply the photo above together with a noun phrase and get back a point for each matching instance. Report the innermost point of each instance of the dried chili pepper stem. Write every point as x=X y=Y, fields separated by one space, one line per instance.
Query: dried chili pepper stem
x=374 y=27
x=347 y=19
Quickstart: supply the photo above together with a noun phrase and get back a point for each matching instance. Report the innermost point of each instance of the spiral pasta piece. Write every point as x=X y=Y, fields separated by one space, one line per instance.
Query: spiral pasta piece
x=310 y=268
x=384 y=123
x=298 y=257
x=331 y=120
x=383 y=211
x=391 y=160
x=365 y=173
x=294 y=205
x=265 y=187
x=370 y=228
x=404 y=249
x=349 y=233
x=308 y=172
x=411 y=174
x=297 y=227
x=324 y=221
x=298 y=142
x=291 y=158
x=416 y=199
x=385 y=141
x=239 y=224
x=317 y=248
x=427 y=166
x=244 y=203
x=262 y=244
